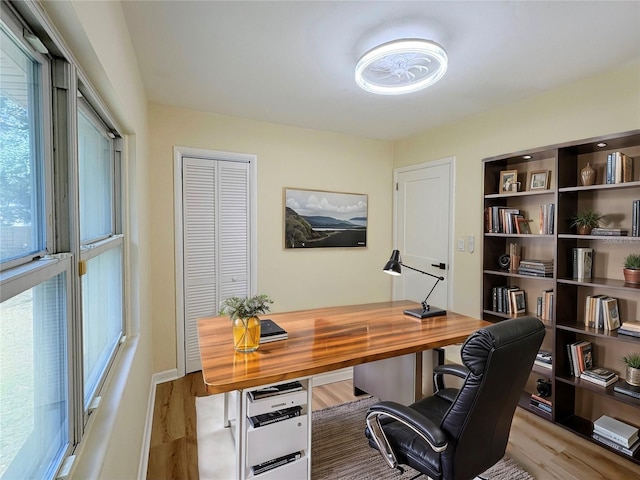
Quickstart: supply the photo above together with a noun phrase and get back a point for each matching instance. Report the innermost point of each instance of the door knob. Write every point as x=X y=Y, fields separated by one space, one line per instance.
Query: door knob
x=441 y=266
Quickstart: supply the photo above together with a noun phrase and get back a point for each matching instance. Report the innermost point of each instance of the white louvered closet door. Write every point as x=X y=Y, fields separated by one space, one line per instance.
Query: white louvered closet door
x=216 y=252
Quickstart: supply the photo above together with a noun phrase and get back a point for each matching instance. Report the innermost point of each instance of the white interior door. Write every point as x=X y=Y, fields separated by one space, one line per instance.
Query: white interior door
x=423 y=228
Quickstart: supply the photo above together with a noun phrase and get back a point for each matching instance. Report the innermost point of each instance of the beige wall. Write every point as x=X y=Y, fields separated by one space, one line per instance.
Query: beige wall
x=287 y=157
x=97 y=36
x=605 y=104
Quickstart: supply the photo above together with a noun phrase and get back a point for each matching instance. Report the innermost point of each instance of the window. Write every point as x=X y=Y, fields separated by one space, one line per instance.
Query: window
x=101 y=250
x=59 y=331
x=21 y=151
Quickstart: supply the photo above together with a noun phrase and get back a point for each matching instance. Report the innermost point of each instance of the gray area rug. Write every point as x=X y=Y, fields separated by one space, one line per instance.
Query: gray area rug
x=341 y=451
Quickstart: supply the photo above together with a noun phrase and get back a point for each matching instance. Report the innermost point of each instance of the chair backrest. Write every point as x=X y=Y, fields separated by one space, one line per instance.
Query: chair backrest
x=499 y=358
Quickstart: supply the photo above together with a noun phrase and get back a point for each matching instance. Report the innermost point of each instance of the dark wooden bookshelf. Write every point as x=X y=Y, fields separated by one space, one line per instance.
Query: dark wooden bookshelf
x=576 y=403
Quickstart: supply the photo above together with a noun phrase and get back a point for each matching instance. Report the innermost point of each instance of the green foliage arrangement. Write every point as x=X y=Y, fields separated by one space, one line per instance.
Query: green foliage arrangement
x=247 y=307
x=632 y=261
x=632 y=360
x=586 y=218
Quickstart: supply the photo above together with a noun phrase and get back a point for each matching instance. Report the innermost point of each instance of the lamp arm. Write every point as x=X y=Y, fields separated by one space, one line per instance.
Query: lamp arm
x=426 y=273
x=425 y=305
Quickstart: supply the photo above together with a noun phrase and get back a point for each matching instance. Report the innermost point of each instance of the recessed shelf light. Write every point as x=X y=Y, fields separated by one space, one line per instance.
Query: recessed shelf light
x=601 y=144
x=527 y=157
x=401 y=66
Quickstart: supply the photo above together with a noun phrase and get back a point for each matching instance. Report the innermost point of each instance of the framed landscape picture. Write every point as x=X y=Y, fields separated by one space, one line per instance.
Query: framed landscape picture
x=539 y=180
x=320 y=219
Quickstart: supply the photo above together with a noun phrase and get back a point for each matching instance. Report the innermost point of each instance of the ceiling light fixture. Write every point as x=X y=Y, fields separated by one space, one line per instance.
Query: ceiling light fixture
x=401 y=66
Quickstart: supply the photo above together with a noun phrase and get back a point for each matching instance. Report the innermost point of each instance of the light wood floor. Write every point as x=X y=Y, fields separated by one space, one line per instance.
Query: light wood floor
x=545 y=450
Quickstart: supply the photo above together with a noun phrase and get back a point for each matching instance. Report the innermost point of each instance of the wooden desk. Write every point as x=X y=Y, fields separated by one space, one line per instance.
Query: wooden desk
x=320 y=340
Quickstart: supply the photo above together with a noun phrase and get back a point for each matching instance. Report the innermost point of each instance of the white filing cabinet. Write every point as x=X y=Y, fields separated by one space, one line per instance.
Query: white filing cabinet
x=278 y=439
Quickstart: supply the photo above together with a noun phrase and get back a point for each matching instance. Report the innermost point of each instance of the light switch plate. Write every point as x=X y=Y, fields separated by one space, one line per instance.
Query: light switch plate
x=472 y=243
x=461 y=244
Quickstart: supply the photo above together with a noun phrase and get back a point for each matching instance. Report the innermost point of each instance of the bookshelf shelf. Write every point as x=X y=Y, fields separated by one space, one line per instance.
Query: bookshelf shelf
x=576 y=403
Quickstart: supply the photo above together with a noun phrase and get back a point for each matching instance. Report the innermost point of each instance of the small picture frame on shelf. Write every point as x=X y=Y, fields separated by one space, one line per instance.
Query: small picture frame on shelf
x=539 y=179
x=509 y=181
x=522 y=226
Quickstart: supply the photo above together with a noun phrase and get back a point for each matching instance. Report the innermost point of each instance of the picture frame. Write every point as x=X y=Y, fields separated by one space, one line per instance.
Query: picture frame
x=507 y=179
x=522 y=226
x=320 y=219
x=518 y=302
x=539 y=179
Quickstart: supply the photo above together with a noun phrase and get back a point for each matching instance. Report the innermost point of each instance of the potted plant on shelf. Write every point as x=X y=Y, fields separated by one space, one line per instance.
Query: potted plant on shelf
x=243 y=313
x=632 y=361
x=585 y=221
x=631 y=268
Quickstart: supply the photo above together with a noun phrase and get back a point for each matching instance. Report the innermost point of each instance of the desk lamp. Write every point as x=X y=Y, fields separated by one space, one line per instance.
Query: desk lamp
x=394 y=267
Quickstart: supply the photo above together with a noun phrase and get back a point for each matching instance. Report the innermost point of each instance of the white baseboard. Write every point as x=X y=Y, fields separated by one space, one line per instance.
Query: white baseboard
x=156 y=378
x=331 y=377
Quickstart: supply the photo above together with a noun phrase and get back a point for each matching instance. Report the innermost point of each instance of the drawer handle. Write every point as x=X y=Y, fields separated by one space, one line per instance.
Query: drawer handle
x=279 y=405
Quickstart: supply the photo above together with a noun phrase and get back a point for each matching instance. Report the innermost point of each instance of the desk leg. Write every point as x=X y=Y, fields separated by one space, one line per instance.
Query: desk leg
x=240 y=436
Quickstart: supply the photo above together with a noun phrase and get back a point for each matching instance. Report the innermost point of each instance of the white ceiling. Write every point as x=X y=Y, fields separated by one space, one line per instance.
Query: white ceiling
x=293 y=62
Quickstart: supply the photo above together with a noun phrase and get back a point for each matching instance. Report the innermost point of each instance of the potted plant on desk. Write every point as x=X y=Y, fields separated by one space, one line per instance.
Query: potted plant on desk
x=243 y=313
x=632 y=268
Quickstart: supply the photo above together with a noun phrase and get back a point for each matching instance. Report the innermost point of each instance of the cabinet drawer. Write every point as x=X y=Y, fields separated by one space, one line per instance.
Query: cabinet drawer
x=277 y=440
x=292 y=471
x=277 y=402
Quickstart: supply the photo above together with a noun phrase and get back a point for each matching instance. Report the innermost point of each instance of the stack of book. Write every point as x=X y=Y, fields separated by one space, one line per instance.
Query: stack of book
x=580 y=357
x=536 y=268
x=547 y=213
x=619 y=168
x=617 y=435
x=610 y=232
x=599 y=376
x=270 y=331
x=509 y=300
x=274 y=390
x=274 y=417
x=541 y=403
x=601 y=312
x=582 y=263
x=276 y=462
x=635 y=218
x=630 y=328
x=544 y=359
x=502 y=219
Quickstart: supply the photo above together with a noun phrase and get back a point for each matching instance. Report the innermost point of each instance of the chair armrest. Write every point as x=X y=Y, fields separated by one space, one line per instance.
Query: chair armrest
x=412 y=419
x=448 y=369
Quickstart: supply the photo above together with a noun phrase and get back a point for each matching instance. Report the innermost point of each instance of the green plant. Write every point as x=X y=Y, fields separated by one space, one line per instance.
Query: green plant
x=632 y=261
x=632 y=360
x=586 y=218
x=247 y=307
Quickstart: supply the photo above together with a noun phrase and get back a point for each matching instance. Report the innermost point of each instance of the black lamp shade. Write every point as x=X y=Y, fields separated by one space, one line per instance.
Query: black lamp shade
x=393 y=265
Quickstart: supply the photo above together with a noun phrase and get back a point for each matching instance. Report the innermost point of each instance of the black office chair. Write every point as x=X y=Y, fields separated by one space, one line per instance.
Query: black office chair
x=457 y=434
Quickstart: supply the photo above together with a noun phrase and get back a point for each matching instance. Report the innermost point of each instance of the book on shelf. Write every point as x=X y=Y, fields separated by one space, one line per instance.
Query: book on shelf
x=627 y=389
x=582 y=262
x=600 y=373
x=611 y=232
x=619 y=168
x=276 y=462
x=631 y=325
x=547 y=213
x=616 y=430
x=580 y=356
x=540 y=399
x=635 y=218
x=546 y=305
x=597 y=381
x=270 y=331
x=630 y=333
x=536 y=268
x=601 y=312
x=541 y=406
x=274 y=417
x=631 y=451
x=544 y=359
x=275 y=390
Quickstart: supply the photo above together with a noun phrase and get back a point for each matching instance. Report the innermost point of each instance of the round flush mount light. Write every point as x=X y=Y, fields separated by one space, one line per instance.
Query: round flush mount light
x=401 y=66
